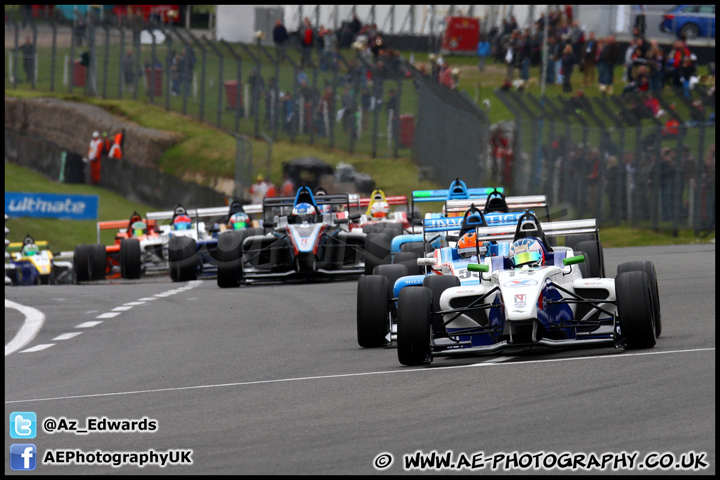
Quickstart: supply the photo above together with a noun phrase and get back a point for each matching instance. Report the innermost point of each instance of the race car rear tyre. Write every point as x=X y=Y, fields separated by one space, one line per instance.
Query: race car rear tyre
x=409 y=259
x=572 y=240
x=81 y=263
x=98 y=261
x=230 y=265
x=130 y=264
x=594 y=255
x=372 y=311
x=182 y=260
x=649 y=269
x=416 y=247
x=377 y=250
x=413 y=335
x=437 y=284
x=635 y=311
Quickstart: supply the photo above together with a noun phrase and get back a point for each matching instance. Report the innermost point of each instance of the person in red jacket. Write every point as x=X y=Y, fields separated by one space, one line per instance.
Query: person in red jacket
x=306 y=40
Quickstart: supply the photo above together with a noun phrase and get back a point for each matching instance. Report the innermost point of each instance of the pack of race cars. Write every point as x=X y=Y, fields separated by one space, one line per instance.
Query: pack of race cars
x=481 y=275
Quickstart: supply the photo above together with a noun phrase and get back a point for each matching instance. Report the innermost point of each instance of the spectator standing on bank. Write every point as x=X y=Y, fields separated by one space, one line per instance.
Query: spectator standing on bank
x=577 y=39
x=280 y=34
x=483 y=51
x=606 y=65
x=656 y=64
x=329 y=49
x=28 y=53
x=589 y=55
x=688 y=75
x=568 y=63
x=128 y=68
x=306 y=41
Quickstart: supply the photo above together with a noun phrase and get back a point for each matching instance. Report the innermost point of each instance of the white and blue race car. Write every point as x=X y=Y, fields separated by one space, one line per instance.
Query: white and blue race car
x=535 y=296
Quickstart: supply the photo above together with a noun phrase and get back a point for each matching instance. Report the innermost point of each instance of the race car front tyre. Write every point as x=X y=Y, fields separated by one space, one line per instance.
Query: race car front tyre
x=372 y=311
x=98 y=261
x=594 y=255
x=81 y=263
x=437 y=284
x=635 y=311
x=413 y=335
x=649 y=269
x=409 y=259
x=182 y=259
x=230 y=265
x=377 y=250
x=130 y=263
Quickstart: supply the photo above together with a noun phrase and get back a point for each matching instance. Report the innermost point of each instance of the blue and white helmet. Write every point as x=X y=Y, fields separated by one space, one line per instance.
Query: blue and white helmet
x=527 y=251
x=304 y=210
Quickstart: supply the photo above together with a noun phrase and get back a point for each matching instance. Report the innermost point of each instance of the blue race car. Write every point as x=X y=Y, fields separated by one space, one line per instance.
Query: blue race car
x=377 y=320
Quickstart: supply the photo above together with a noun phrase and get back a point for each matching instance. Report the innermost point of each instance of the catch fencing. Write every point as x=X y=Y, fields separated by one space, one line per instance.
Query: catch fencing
x=618 y=159
x=339 y=100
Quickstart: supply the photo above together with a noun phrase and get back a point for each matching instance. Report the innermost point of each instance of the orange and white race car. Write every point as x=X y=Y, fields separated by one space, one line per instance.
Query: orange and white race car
x=378 y=215
x=137 y=244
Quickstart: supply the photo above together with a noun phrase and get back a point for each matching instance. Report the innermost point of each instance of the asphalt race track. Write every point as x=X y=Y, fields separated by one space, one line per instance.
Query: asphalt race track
x=269 y=379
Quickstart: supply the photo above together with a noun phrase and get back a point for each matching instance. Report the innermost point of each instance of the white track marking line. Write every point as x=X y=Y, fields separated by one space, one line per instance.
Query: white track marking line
x=108 y=315
x=133 y=304
x=499 y=359
x=361 y=374
x=121 y=309
x=67 y=336
x=33 y=322
x=146 y=299
x=88 y=324
x=37 y=348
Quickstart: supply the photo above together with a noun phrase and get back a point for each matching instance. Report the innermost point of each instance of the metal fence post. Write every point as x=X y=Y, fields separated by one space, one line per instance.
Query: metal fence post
x=106 y=60
x=53 y=26
x=220 y=77
x=238 y=95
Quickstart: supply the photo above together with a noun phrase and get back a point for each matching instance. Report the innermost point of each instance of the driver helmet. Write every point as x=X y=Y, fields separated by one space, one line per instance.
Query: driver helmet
x=239 y=220
x=138 y=229
x=527 y=251
x=182 y=222
x=305 y=211
x=379 y=210
x=30 y=249
x=467 y=245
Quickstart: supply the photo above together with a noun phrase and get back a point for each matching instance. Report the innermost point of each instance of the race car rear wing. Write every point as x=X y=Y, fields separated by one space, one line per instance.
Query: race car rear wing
x=118 y=225
x=455 y=223
x=443 y=195
x=17 y=246
x=282 y=206
x=204 y=212
x=550 y=229
x=514 y=203
x=395 y=200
